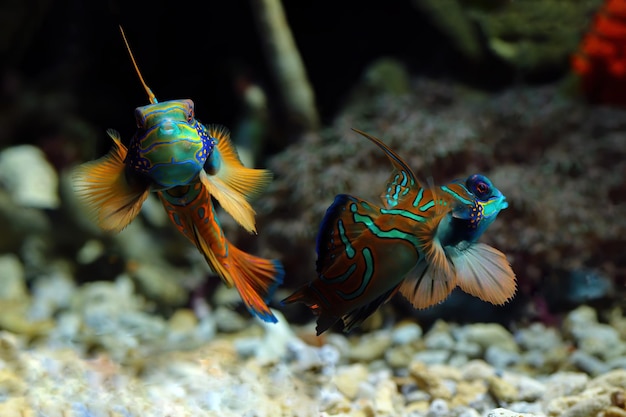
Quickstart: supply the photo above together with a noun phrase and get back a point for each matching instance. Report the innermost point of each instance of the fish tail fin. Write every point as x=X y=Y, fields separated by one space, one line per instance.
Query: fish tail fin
x=111 y=200
x=230 y=182
x=484 y=272
x=255 y=278
x=308 y=296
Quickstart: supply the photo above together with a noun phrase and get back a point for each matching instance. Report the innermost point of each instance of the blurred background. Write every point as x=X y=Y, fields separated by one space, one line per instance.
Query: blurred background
x=454 y=86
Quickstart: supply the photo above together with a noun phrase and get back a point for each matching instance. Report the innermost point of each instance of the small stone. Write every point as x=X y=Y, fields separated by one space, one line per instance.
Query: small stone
x=372 y=346
x=13 y=280
x=489 y=334
x=564 y=384
x=91 y=250
x=477 y=370
x=183 y=321
x=432 y=357
x=348 y=378
x=228 y=321
x=468 y=392
x=406 y=333
x=438 y=407
x=385 y=397
x=29 y=178
x=501 y=358
x=429 y=381
x=439 y=339
x=502 y=390
x=399 y=356
x=503 y=412
x=588 y=363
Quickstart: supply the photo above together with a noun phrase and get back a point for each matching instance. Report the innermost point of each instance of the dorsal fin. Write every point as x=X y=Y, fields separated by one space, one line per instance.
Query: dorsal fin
x=151 y=95
x=402 y=182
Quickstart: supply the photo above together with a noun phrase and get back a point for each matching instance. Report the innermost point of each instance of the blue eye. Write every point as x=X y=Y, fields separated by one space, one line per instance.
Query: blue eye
x=480 y=186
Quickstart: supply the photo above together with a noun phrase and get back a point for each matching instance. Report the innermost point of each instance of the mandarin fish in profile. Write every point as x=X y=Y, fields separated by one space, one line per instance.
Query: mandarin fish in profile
x=422 y=243
x=185 y=163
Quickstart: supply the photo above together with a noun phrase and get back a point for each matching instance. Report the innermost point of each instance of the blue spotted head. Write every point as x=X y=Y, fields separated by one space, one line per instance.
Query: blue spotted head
x=476 y=205
x=170 y=145
x=487 y=202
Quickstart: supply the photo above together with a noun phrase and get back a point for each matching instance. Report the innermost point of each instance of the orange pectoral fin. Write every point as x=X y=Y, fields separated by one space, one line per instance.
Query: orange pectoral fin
x=231 y=183
x=248 y=182
x=234 y=203
x=484 y=272
x=104 y=189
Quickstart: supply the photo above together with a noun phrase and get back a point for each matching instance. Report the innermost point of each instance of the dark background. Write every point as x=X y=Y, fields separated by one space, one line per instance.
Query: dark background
x=205 y=50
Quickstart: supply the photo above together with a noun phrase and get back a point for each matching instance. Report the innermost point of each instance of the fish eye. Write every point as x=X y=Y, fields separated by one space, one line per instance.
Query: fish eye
x=190 y=116
x=479 y=186
x=482 y=187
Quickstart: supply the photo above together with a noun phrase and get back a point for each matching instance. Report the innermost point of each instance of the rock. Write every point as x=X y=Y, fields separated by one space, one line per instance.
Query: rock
x=487 y=335
x=348 y=379
x=406 y=333
x=29 y=178
x=229 y=321
x=502 y=390
x=503 y=412
x=372 y=347
x=13 y=280
x=501 y=358
x=429 y=381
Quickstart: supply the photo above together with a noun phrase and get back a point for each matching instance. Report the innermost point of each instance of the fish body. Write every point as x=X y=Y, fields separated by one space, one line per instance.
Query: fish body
x=185 y=163
x=421 y=242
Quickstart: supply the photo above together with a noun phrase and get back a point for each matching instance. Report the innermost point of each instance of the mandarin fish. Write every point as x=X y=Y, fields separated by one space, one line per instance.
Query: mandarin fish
x=185 y=163
x=422 y=243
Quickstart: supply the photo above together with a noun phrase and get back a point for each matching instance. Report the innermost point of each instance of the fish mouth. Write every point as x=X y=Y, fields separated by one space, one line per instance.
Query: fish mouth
x=169 y=128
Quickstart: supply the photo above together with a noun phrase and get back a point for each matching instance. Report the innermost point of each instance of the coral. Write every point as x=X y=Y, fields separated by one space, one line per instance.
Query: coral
x=601 y=59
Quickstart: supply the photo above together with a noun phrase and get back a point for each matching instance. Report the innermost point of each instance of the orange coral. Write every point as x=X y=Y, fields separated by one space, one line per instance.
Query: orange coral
x=601 y=59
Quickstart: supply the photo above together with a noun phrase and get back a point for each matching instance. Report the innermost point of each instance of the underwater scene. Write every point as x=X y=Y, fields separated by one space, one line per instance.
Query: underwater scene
x=266 y=208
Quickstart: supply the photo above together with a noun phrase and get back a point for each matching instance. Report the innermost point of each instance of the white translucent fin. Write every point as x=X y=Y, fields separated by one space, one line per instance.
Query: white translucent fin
x=484 y=272
x=427 y=285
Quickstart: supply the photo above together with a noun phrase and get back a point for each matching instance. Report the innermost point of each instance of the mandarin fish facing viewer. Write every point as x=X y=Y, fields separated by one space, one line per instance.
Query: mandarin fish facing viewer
x=185 y=163
x=422 y=243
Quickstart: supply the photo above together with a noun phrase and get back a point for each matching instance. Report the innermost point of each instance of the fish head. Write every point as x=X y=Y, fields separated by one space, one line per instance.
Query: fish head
x=487 y=196
x=170 y=146
x=477 y=206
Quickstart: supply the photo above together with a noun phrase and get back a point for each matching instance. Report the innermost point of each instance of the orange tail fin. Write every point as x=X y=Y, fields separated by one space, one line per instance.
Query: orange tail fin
x=111 y=201
x=255 y=278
